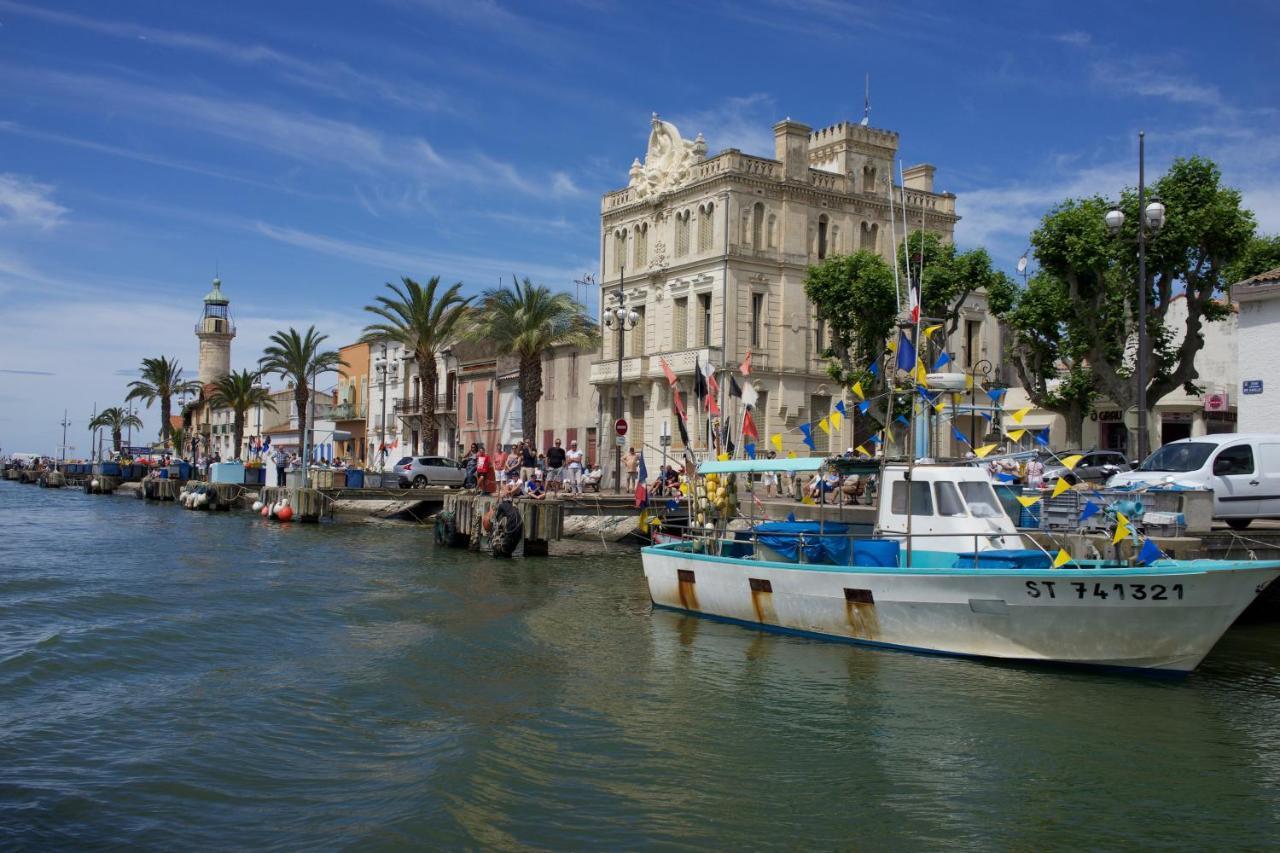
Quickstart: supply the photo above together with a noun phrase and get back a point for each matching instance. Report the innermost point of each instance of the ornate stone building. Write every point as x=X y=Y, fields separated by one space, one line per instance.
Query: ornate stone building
x=711 y=255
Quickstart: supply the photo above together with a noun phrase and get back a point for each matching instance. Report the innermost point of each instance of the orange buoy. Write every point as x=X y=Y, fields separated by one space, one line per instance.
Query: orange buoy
x=285 y=513
x=266 y=511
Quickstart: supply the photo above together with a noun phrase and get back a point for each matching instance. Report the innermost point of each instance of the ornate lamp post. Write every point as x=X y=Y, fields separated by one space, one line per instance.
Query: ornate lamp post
x=623 y=320
x=1151 y=216
x=981 y=366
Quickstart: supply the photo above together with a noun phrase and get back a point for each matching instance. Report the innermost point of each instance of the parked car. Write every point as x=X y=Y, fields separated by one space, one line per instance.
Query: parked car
x=419 y=471
x=1242 y=470
x=1096 y=466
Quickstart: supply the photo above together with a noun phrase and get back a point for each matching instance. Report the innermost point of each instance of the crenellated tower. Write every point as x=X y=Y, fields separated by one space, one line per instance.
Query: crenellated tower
x=215 y=331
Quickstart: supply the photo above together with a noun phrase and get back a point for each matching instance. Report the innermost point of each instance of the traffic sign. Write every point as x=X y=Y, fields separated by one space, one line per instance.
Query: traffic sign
x=620 y=426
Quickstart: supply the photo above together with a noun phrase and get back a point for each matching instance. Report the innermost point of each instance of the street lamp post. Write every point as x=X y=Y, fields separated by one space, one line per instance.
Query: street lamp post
x=382 y=424
x=982 y=366
x=624 y=321
x=1150 y=217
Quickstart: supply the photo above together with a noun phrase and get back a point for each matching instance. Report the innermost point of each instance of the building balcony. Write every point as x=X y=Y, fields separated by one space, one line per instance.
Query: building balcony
x=347 y=412
x=605 y=372
x=682 y=362
x=412 y=407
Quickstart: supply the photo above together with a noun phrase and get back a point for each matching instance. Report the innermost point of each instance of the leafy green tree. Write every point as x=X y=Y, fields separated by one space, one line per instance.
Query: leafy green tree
x=948 y=277
x=1206 y=231
x=1047 y=349
x=299 y=358
x=116 y=420
x=854 y=296
x=526 y=321
x=161 y=380
x=178 y=437
x=1262 y=254
x=240 y=392
x=423 y=322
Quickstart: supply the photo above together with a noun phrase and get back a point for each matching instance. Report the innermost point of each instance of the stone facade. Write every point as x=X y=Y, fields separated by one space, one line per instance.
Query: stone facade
x=712 y=253
x=1259 y=299
x=570 y=406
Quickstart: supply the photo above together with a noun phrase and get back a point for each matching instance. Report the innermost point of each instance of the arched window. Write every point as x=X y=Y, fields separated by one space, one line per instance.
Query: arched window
x=823 y=223
x=757 y=226
x=620 y=247
x=641 y=241
x=867 y=238
x=682 y=234
x=705 y=226
x=868 y=178
x=773 y=231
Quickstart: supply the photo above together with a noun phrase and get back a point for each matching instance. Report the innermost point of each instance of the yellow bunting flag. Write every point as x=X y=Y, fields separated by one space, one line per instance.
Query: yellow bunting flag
x=892 y=346
x=968 y=382
x=643 y=521
x=857 y=389
x=807 y=500
x=1020 y=414
x=982 y=451
x=776 y=441
x=723 y=457
x=684 y=488
x=1016 y=435
x=824 y=426
x=922 y=375
x=1072 y=461
x=863 y=450
x=1061 y=486
x=1062 y=559
x=836 y=417
x=940 y=406
x=1122 y=529
x=1029 y=501
x=929 y=330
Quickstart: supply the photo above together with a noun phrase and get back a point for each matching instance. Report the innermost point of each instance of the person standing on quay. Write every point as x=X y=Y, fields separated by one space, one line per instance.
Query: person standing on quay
x=632 y=462
x=528 y=461
x=281 y=460
x=574 y=458
x=555 y=467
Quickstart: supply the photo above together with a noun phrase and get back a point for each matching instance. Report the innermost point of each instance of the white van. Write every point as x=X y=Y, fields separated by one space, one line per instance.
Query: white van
x=1242 y=469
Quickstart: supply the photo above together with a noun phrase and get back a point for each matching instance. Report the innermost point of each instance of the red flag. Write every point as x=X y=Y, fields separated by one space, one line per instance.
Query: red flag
x=749 y=427
x=666 y=368
x=745 y=367
x=712 y=385
x=678 y=403
x=712 y=408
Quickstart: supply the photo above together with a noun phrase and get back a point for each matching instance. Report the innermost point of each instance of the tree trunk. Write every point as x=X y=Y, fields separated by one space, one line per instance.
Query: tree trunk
x=165 y=430
x=428 y=376
x=300 y=399
x=1075 y=426
x=116 y=439
x=530 y=394
x=238 y=428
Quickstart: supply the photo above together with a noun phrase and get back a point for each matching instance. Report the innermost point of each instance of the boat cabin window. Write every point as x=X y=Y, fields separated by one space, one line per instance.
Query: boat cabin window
x=949 y=502
x=981 y=499
x=921 y=499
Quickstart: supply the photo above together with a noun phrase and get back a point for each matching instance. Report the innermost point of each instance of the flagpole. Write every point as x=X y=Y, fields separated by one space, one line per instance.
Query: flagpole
x=893 y=242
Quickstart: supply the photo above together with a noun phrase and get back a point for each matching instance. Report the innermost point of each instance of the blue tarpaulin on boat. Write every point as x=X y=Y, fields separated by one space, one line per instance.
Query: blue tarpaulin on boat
x=823 y=543
x=1010 y=558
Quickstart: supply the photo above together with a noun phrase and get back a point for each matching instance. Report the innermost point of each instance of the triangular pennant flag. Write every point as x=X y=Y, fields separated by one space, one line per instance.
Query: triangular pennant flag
x=836 y=419
x=863 y=450
x=776 y=441
x=745 y=367
x=722 y=457
x=986 y=416
x=824 y=426
x=1016 y=435
x=1002 y=477
x=857 y=389
x=981 y=452
x=749 y=426
x=1029 y=501
x=1020 y=414
x=892 y=346
x=906 y=354
x=750 y=448
x=995 y=394
x=1090 y=510
x=1071 y=462
x=713 y=408
x=874 y=369
x=959 y=435
x=864 y=407
x=944 y=358
x=666 y=369
x=1062 y=559
x=808 y=436
x=749 y=394
x=903 y=420
x=1042 y=437
x=1061 y=486
x=929 y=330
x=735 y=390
x=1150 y=553
x=875 y=439
x=840 y=408
x=1122 y=529
x=968 y=382
x=940 y=406
x=922 y=375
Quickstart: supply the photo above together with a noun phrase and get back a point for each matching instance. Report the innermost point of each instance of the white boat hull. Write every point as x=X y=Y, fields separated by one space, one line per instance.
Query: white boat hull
x=1149 y=619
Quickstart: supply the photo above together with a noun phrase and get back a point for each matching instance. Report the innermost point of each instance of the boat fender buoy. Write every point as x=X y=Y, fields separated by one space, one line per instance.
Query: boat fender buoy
x=266 y=510
x=285 y=513
x=257 y=506
x=93 y=483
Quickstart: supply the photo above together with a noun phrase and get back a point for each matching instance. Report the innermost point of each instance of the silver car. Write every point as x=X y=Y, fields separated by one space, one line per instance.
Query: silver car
x=419 y=471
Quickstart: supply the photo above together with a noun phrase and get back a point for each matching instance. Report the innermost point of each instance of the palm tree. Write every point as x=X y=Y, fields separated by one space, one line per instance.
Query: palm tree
x=240 y=392
x=421 y=323
x=116 y=420
x=526 y=321
x=178 y=435
x=161 y=380
x=299 y=359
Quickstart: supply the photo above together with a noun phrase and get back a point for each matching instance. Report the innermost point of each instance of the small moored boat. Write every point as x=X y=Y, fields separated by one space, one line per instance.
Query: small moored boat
x=943 y=570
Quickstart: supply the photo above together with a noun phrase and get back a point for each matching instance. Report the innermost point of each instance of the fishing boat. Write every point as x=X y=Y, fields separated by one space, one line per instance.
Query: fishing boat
x=939 y=567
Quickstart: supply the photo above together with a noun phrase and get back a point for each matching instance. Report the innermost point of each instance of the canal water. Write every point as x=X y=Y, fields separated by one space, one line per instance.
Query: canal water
x=171 y=679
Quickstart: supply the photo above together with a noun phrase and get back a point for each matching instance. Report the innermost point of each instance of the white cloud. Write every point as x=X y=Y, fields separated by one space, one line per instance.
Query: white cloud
x=1075 y=38
x=562 y=185
x=745 y=123
x=26 y=203
x=1137 y=78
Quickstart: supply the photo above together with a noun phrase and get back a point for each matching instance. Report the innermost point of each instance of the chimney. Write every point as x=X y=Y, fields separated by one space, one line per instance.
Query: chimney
x=919 y=177
x=791 y=148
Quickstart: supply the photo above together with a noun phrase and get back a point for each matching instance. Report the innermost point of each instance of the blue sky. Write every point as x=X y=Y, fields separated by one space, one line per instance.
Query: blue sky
x=311 y=151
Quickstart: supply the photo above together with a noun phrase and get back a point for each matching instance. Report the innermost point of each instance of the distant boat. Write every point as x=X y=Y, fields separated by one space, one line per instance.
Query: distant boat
x=944 y=570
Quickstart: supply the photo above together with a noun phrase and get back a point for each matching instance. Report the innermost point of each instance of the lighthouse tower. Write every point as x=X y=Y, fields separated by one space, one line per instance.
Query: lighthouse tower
x=215 y=331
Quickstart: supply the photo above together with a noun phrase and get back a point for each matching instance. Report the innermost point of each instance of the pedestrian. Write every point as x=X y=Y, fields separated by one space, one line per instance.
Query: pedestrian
x=528 y=461
x=769 y=479
x=483 y=470
x=632 y=463
x=573 y=456
x=555 y=467
x=500 y=464
x=512 y=464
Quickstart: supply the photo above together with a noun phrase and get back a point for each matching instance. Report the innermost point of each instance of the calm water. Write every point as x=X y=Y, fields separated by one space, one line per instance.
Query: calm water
x=174 y=679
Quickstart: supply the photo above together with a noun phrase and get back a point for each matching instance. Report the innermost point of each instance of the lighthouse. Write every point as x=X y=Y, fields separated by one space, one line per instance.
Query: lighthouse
x=215 y=331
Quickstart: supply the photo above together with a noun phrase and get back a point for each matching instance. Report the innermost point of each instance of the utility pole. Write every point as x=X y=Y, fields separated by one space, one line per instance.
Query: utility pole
x=382 y=443
x=65 y=423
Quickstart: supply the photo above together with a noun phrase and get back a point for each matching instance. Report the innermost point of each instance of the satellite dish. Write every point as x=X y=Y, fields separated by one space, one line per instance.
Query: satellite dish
x=1022 y=264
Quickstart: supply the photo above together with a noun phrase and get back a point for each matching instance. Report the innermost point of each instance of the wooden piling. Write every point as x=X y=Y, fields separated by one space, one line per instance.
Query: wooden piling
x=308 y=504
